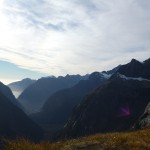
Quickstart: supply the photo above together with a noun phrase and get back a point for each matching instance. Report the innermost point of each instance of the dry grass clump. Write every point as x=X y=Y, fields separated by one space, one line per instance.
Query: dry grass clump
x=138 y=140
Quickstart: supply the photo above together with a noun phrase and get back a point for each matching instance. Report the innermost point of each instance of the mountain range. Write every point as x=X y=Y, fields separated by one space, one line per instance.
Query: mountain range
x=76 y=105
x=113 y=106
x=18 y=87
x=59 y=105
x=34 y=96
x=136 y=69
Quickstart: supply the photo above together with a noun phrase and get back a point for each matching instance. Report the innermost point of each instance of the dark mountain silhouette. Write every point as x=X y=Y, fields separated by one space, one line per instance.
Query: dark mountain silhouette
x=59 y=106
x=8 y=93
x=114 y=70
x=136 y=69
x=114 y=106
x=18 y=87
x=14 y=123
x=36 y=94
x=144 y=119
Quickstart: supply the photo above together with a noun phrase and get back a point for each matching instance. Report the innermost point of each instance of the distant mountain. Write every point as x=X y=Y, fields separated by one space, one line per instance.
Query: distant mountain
x=144 y=119
x=136 y=69
x=114 y=106
x=59 y=105
x=8 y=93
x=18 y=87
x=36 y=94
x=14 y=123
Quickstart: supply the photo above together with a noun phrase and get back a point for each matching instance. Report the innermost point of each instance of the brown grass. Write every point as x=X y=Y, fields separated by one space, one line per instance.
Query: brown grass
x=137 y=140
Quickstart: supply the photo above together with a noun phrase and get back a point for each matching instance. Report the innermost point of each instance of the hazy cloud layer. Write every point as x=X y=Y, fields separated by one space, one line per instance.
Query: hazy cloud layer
x=73 y=36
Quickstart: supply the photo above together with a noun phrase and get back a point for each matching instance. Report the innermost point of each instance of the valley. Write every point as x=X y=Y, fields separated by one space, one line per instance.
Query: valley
x=101 y=110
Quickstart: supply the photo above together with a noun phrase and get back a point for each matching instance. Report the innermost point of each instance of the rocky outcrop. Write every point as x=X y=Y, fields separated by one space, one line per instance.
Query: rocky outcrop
x=144 y=120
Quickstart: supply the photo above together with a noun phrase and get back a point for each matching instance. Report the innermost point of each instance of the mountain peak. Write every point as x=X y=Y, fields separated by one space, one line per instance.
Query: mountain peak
x=19 y=86
x=94 y=75
x=134 y=61
x=26 y=79
x=147 y=61
x=136 y=69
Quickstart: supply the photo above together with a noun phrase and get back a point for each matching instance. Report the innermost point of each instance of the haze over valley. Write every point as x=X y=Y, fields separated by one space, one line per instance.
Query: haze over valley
x=75 y=75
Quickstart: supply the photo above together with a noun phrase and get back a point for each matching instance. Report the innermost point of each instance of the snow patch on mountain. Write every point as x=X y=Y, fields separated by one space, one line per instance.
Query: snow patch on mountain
x=105 y=75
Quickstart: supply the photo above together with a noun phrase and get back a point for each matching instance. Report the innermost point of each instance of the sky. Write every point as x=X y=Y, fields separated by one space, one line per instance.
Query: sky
x=59 y=37
x=10 y=72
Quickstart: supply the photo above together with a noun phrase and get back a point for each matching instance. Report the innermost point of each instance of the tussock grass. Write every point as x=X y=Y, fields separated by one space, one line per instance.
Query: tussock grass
x=137 y=140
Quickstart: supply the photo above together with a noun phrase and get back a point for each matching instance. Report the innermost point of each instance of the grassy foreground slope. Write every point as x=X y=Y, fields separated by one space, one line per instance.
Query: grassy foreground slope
x=137 y=140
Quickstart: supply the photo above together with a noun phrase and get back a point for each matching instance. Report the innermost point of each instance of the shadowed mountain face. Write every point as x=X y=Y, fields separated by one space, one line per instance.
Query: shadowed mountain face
x=115 y=105
x=35 y=95
x=136 y=69
x=19 y=86
x=14 y=123
x=114 y=70
x=7 y=92
x=59 y=106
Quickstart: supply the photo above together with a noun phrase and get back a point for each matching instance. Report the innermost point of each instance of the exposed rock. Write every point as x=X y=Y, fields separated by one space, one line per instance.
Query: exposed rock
x=144 y=120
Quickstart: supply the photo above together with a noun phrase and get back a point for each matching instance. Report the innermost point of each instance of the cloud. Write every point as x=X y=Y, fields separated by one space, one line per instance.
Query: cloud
x=76 y=36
